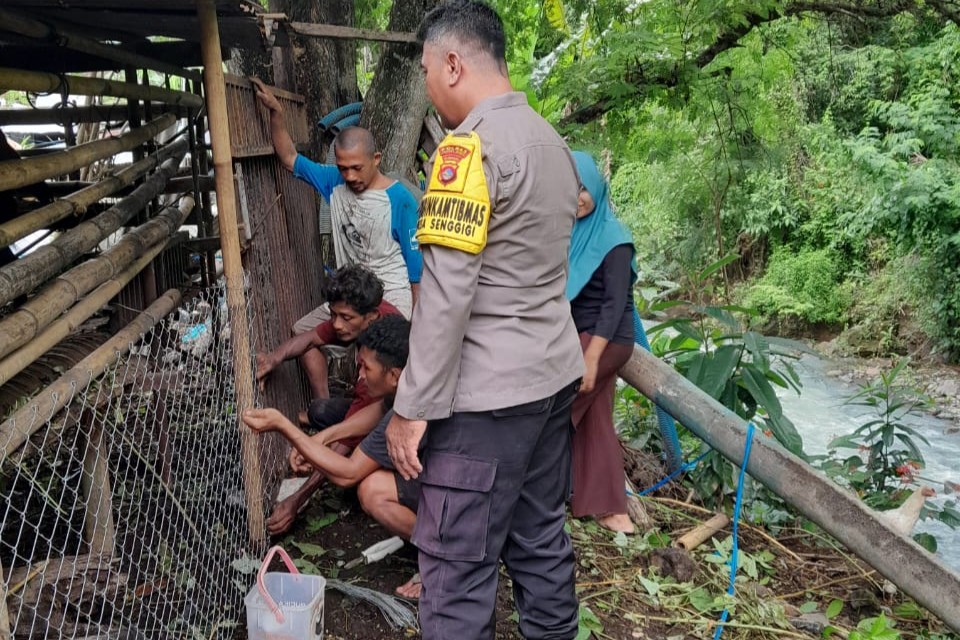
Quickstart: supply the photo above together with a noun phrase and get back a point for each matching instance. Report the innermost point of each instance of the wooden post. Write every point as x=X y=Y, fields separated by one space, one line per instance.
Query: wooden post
x=5 y=633
x=232 y=266
x=95 y=483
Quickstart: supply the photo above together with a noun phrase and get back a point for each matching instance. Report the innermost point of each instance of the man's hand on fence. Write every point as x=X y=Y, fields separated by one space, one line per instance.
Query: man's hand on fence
x=264 y=420
x=266 y=362
x=266 y=96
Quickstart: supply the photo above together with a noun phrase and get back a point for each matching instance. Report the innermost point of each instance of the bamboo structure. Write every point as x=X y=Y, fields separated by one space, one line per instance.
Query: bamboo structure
x=213 y=81
x=19 y=427
x=71 y=39
x=25 y=323
x=78 y=313
x=93 y=113
x=76 y=203
x=4 y=614
x=40 y=82
x=22 y=172
x=28 y=273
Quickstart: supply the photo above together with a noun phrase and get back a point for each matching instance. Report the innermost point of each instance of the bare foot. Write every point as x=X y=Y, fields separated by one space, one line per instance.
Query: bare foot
x=617 y=522
x=411 y=589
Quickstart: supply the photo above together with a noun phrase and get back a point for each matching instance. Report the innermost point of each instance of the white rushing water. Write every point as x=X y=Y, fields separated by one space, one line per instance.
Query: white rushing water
x=820 y=415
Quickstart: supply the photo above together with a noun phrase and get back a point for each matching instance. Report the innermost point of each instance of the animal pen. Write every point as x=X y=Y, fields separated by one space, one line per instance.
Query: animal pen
x=133 y=499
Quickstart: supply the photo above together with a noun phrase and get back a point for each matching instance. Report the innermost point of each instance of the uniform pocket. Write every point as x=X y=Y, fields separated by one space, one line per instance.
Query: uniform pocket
x=454 y=510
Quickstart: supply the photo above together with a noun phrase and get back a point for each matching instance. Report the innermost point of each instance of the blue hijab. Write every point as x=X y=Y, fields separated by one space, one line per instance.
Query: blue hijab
x=596 y=234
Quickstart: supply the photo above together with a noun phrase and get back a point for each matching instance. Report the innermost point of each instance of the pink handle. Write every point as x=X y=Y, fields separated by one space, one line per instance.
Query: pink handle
x=274 y=607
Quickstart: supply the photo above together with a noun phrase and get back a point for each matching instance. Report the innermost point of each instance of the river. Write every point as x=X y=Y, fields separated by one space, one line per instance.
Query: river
x=820 y=414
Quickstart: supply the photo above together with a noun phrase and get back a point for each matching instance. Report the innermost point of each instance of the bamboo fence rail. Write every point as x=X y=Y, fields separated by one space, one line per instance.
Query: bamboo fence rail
x=76 y=203
x=21 y=425
x=25 y=171
x=78 y=313
x=26 y=274
x=41 y=82
x=25 y=323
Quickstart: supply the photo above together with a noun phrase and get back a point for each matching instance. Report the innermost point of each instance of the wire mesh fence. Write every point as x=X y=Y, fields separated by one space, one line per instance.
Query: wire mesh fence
x=124 y=515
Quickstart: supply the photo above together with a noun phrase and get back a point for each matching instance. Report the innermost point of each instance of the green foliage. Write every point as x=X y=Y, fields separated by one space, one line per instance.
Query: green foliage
x=804 y=285
x=738 y=368
x=879 y=628
x=890 y=447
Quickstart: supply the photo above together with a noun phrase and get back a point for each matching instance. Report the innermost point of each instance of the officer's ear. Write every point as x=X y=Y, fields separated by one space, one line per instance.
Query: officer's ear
x=453 y=64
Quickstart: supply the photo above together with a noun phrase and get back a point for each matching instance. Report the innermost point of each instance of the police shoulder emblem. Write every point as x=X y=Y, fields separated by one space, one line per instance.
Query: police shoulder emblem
x=455 y=211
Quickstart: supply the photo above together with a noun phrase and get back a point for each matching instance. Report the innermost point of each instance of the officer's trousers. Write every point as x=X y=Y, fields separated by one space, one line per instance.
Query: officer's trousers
x=494 y=487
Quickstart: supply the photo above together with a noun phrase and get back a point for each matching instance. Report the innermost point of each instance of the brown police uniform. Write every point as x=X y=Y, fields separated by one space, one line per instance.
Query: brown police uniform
x=494 y=360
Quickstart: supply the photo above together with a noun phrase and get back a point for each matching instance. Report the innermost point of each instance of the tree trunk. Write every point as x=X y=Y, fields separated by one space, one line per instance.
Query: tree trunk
x=326 y=69
x=397 y=100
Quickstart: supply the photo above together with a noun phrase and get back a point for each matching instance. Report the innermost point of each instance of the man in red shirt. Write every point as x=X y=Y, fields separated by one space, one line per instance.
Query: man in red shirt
x=355 y=297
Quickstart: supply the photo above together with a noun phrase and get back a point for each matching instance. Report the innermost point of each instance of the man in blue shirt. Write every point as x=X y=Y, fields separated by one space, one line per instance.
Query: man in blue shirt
x=374 y=217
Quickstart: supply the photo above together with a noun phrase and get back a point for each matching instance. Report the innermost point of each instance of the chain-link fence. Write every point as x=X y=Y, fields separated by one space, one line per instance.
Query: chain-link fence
x=124 y=514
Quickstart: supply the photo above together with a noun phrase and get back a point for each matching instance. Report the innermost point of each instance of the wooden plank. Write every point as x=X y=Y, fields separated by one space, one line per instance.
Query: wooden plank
x=4 y=614
x=340 y=32
x=99 y=527
x=235 y=31
x=64 y=36
x=34 y=57
x=39 y=82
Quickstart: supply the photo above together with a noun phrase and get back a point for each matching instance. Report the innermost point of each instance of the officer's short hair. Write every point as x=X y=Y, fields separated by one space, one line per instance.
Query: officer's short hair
x=469 y=22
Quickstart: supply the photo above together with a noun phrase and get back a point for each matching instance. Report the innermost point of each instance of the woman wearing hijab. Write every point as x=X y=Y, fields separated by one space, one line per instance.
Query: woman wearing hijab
x=599 y=288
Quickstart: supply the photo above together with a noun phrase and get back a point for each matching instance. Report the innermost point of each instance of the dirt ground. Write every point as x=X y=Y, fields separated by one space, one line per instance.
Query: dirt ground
x=637 y=586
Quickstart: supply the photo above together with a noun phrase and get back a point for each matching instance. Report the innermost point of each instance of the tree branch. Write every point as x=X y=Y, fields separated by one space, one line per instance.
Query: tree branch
x=729 y=39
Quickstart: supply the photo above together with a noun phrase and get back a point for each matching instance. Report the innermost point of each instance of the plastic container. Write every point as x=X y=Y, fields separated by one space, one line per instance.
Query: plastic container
x=285 y=606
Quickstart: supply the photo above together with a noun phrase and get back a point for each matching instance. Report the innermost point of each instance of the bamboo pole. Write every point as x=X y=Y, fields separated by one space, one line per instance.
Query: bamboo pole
x=78 y=313
x=76 y=203
x=42 y=82
x=905 y=563
x=71 y=39
x=4 y=614
x=232 y=266
x=25 y=323
x=23 y=171
x=93 y=113
x=21 y=425
x=26 y=274
x=703 y=532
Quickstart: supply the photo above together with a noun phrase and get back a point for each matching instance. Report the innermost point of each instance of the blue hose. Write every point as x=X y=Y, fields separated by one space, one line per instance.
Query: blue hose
x=339 y=114
x=668 y=429
x=349 y=121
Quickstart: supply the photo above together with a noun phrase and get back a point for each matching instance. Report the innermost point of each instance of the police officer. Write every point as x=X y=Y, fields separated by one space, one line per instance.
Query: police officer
x=494 y=355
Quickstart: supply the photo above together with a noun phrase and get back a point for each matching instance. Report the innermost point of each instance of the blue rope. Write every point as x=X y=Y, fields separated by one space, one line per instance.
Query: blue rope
x=690 y=466
x=735 y=552
x=668 y=428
